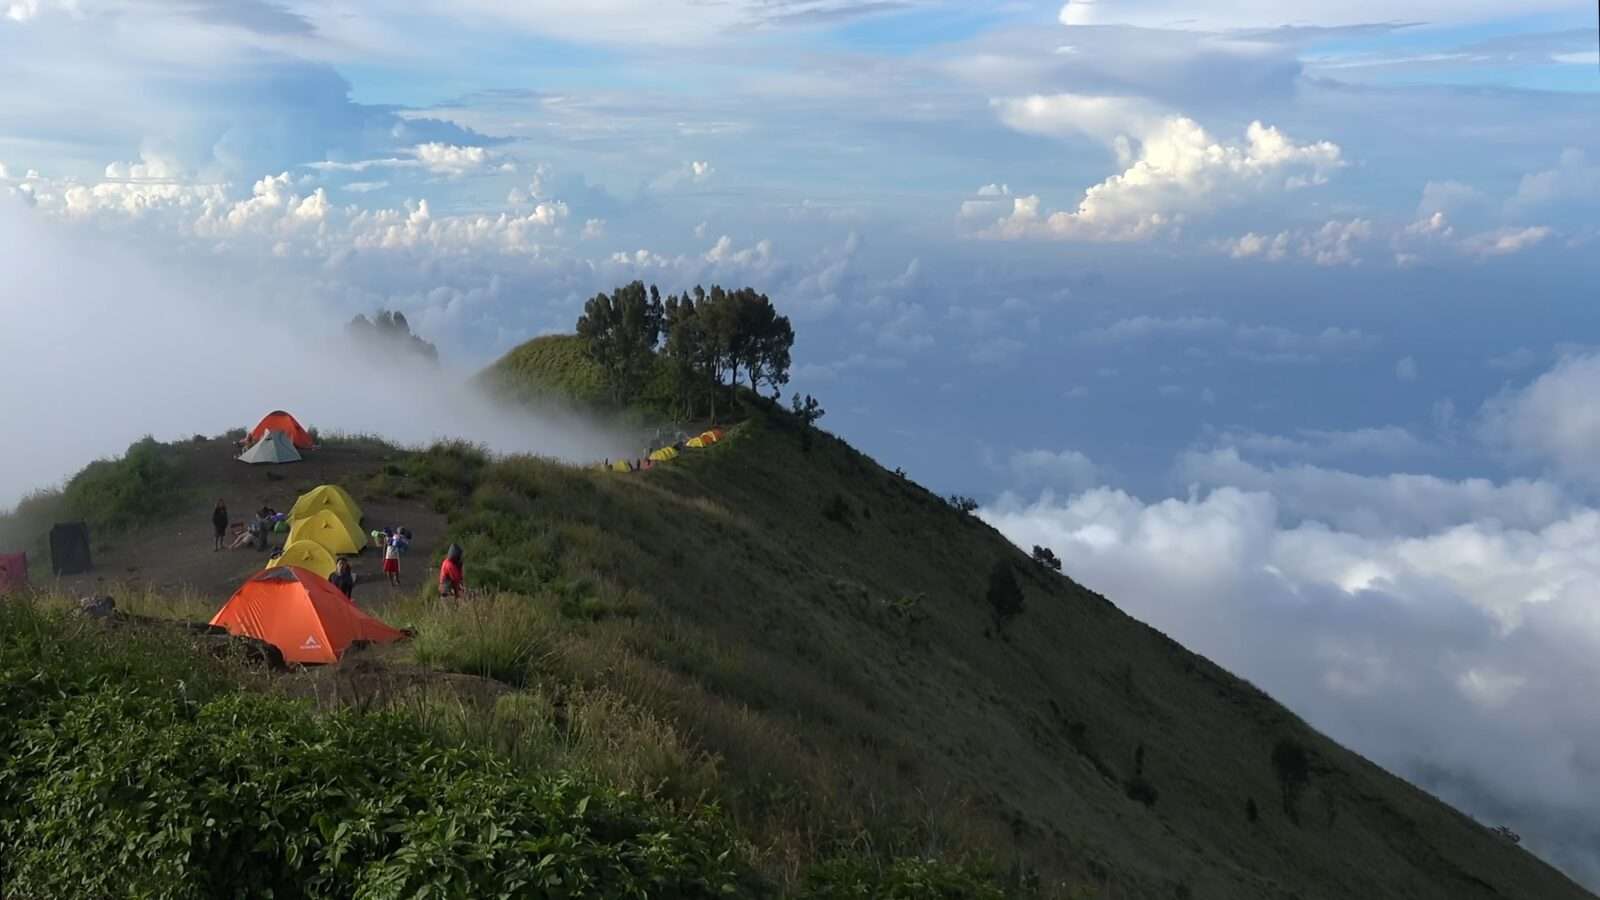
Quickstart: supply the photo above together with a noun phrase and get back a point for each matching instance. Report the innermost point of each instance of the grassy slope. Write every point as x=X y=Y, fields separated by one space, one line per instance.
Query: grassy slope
x=775 y=636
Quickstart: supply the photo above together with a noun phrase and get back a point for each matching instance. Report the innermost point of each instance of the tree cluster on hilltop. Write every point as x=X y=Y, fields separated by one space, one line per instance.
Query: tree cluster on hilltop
x=710 y=341
x=388 y=331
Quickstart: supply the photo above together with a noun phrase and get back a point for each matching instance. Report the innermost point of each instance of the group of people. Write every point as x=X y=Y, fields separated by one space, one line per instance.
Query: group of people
x=394 y=542
x=254 y=535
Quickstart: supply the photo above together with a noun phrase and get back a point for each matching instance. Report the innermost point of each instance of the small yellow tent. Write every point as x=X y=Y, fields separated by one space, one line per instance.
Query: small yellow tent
x=622 y=465
x=307 y=555
x=331 y=530
x=664 y=454
x=327 y=496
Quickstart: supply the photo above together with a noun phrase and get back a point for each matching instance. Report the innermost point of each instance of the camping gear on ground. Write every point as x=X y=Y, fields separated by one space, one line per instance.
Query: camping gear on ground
x=326 y=527
x=622 y=465
x=69 y=549
x=278 y=420
x=664 y=454
x=13 y=572
x=308 y=555
x=302 y=614
x=281 y=526
x=705 y=438
x=276 y=447
x=327 y=496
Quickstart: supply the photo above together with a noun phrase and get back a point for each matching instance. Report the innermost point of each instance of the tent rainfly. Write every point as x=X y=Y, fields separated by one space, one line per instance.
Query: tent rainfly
x=301 y=614
x=308 y=555
x=278 y=420
x=336 y=534
x=327 y=496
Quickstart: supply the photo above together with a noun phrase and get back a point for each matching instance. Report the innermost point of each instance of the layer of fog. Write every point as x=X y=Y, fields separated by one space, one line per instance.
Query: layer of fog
x=101 y=347
x=1458 y=647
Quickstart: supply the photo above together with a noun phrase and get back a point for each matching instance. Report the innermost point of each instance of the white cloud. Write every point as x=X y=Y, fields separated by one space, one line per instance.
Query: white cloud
x=1334 y=244
x=1065 y=470
x=451 y=160
x=723 y=252
x=594 y=228
x=1572 y=181
x=1581 y=58
x=1406 y=369
x=700 y=170
x=1319 y=443
x=1268 y=247
x=1375 y=506
x=1555 y=419
x=1174 y=169
x=1253 y=14
x=1506 y=241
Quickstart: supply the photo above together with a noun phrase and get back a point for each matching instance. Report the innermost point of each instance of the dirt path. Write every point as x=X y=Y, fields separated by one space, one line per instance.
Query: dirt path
x=177 y=555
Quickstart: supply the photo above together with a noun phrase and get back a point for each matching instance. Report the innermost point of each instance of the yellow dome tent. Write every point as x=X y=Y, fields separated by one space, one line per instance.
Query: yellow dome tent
x=327 y=496
x=307 y=555
x=622 y=465
x=664 y=454
x=331 y=530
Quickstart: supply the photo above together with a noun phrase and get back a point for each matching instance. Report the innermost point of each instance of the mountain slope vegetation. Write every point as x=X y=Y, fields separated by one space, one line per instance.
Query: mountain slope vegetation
x=847 y=685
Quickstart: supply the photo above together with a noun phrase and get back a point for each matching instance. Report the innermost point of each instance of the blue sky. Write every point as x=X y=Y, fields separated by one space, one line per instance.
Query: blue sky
x=1280 y=331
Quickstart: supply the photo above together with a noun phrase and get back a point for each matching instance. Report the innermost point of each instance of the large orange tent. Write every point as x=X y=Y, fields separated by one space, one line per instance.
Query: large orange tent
x=278 y=420
x=302 y=614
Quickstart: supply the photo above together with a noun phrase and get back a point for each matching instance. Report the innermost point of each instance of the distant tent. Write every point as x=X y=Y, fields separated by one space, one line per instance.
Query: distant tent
x=664 y=454
x=622 y=465
x=327 y=496
x=308 y=555
x=706 y=438
x=13 y=572
x=337 y=535
x=69 y=549
x=278 y=420
x=301 y=614
x=274 y=448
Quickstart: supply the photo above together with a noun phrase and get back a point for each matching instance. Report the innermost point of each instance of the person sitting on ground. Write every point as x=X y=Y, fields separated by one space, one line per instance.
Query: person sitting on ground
x=219 y=524
x=451 y=580
x=343 y=577
x=391 y=559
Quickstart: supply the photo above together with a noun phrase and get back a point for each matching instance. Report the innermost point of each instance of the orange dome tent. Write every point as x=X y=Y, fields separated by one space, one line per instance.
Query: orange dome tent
x=278 y=420
x=301 y=614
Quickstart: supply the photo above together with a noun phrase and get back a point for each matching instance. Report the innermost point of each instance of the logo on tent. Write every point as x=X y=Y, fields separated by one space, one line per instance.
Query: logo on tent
x=311 y=643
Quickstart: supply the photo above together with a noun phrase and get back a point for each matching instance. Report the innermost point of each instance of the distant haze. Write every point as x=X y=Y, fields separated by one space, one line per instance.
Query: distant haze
x=101 y=348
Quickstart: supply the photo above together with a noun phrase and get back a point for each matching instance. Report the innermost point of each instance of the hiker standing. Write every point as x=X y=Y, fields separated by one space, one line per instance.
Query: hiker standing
x=451 y=579
x=391 y=559
x=343 y=578
x=219 y=524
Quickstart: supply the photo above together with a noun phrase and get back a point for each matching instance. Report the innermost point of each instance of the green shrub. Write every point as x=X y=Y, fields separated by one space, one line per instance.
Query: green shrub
x=114 y=494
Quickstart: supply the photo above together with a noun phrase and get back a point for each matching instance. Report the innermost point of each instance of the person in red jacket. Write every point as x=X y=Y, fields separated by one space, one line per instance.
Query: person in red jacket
x=451 y=579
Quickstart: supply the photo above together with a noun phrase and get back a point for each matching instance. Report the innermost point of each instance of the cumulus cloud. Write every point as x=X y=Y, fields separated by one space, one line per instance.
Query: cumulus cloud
x=1554 y=420
x=1333 y=244
x=1174 y=170
x=1447 y=651
x=1406 y=368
